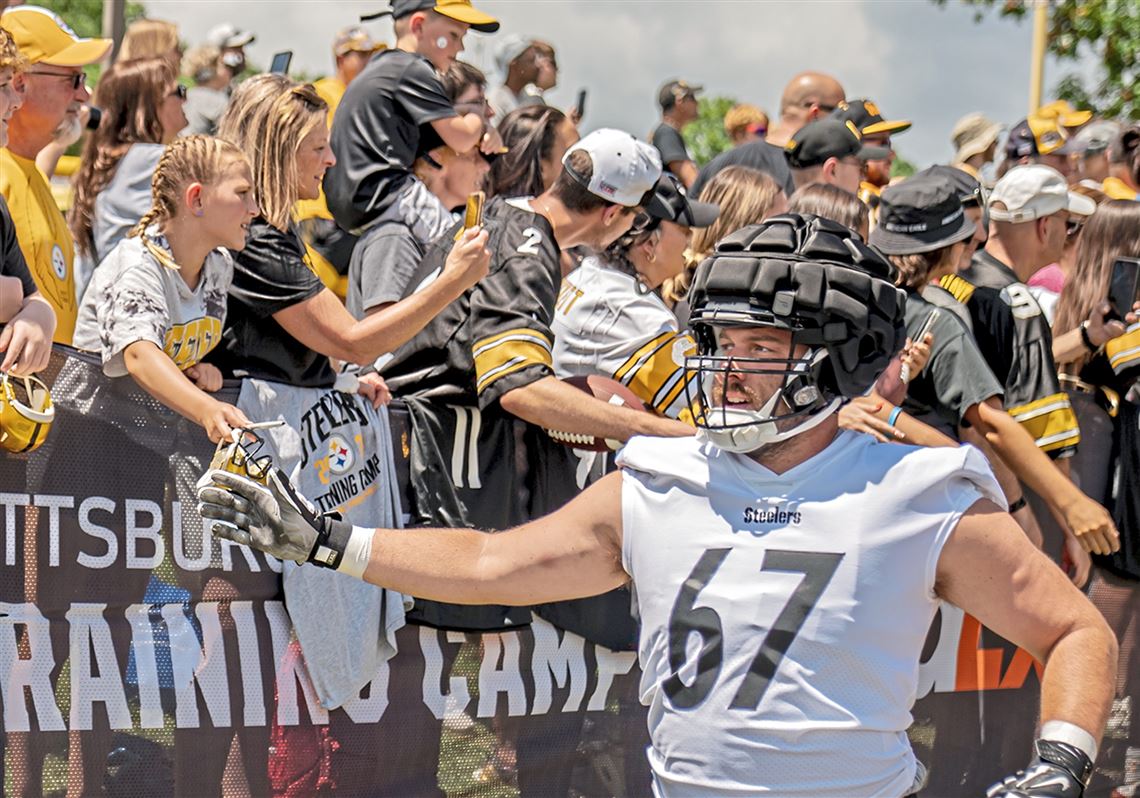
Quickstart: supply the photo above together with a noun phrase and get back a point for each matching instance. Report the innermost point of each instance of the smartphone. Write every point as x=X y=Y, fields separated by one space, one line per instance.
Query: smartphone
x=928 y=323
x=280 y=63
x=580 y=106
x=1122 y=288
x=473 y=215
x=96 y=115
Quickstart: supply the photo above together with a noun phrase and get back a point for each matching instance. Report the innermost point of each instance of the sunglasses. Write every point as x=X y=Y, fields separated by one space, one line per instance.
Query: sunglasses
x=77 y=78
x=179 y=91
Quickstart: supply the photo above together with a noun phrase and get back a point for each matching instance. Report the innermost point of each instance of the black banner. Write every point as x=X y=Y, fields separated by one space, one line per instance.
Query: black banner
x=141 y=657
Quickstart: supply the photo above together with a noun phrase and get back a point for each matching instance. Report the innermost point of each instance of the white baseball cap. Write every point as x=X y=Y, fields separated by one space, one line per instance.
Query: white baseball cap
x=228 y=35
x=625 y=169
x=1032 y=191
x=508 y=48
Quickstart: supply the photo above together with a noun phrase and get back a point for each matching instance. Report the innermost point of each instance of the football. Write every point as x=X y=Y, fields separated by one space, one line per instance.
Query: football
x=607 y=390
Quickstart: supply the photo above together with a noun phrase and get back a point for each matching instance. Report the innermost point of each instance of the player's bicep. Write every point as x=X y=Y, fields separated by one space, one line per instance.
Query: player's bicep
x=989 y=568
x=573 y=552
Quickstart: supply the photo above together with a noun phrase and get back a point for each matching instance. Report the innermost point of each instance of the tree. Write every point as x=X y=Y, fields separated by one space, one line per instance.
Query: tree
x=86 y=16
x=705 y=137
x=1109 y=28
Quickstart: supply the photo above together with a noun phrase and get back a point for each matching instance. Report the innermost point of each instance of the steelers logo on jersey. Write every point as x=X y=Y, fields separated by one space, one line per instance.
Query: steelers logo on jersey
x=341 y=455
x=58 y=262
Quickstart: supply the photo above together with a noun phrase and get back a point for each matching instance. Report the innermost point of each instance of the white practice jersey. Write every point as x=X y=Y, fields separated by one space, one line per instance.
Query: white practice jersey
x=783 y=615
x=604 y=323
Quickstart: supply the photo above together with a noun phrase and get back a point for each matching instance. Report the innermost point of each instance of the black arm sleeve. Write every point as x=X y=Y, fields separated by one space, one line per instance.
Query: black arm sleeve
x=12 y=263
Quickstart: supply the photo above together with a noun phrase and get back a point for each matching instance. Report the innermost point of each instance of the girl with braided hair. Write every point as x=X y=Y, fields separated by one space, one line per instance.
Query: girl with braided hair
x=157 y=303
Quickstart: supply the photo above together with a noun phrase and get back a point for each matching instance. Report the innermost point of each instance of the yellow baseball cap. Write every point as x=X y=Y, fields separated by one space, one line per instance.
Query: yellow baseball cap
x=459 y=10
x=44 y=38
x=1064 y=113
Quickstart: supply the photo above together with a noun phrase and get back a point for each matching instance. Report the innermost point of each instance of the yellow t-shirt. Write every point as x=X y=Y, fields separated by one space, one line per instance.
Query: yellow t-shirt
x=1116 y=188
x=44 y=237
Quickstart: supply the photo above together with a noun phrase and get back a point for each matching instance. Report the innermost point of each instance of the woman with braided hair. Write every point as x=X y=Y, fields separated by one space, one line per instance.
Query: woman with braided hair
x=157 y=304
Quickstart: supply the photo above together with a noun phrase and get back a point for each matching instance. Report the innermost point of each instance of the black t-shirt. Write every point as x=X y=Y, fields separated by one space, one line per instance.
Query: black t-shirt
x=270 y=274
x=12 y=263
x=376 y=134
x=761 y=155
x=669 y=142
x=496 y=337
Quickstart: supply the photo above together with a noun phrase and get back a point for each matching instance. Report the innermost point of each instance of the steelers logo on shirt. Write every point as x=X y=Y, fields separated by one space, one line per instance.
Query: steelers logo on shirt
x=341 y=456
x=58 y=263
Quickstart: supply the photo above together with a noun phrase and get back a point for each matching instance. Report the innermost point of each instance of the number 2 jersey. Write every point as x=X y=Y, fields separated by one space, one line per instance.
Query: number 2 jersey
x=783 y=615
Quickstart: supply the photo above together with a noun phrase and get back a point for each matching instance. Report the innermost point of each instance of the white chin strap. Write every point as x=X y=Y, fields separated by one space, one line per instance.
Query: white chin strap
x=746 y=431
x=756 y=429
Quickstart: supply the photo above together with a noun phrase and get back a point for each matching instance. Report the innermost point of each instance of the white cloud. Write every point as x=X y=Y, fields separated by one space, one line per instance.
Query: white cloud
x=919 y=61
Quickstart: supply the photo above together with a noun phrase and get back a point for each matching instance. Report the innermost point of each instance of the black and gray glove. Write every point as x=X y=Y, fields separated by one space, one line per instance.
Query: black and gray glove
x=1060 y=771
x=275 y=519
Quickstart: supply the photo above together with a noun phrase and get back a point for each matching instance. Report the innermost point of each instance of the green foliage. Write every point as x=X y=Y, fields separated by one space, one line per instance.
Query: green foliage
x=705 y=137
x=901 y=167
x=1108 y=28
x=86 y=16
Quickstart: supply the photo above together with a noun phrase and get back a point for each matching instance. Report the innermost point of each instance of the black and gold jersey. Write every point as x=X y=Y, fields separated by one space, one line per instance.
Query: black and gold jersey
x=1015 y=339
x=496 y=337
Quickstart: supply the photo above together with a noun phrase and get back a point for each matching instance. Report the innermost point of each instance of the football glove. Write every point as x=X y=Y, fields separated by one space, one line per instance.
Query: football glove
x=1060 y=771
x=273 y=518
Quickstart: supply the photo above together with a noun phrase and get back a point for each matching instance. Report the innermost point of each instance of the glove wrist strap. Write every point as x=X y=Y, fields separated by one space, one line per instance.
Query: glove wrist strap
x=1066 y=756
x=342 y=547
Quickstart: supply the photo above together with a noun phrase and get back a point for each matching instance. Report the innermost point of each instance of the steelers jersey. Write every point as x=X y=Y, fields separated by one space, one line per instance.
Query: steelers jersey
x=1015 y=339
x=496 y=337
x=783 y=615
x=607 y=323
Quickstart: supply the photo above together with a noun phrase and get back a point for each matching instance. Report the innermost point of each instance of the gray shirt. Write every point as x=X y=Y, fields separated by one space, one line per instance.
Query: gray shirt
x=956 y=376
x=381 y=267
x=126 y=198
x=204 y=107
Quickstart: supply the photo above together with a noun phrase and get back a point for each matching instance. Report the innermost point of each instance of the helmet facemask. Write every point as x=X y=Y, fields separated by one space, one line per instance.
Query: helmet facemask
x=799 y=403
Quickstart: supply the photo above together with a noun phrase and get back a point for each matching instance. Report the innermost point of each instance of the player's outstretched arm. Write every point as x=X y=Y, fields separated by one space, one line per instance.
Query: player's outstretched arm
x=992 y=571
x=571 y=553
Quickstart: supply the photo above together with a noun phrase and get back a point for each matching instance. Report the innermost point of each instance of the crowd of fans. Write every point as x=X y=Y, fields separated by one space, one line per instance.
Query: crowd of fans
x=255 y=227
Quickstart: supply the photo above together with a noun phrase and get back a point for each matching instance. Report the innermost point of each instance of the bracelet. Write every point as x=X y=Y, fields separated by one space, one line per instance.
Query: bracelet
x=894 y=416
x=1085 y=339
x=1017 y=505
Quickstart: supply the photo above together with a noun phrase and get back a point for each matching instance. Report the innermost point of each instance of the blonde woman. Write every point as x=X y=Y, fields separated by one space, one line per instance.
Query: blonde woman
x=745 y=196
x=152 y=38
x=284 y=325
x=157 y=304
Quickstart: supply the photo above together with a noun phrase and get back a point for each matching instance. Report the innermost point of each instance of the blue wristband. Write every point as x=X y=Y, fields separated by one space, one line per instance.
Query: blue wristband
x=894 y=416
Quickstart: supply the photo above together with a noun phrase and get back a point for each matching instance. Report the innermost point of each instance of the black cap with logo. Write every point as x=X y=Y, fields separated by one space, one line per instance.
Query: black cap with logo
x=827 y=138
x=866 y=116
x=669 y=202
x=674 y=91
x=920 y=214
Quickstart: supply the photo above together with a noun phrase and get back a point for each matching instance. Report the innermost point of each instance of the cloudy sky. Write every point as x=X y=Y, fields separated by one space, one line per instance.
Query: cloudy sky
x=917 y=60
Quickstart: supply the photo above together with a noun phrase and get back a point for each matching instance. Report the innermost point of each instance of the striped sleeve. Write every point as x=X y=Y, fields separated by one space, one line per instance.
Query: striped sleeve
x=497 y=356
x=1050 y=421
x=655 y=372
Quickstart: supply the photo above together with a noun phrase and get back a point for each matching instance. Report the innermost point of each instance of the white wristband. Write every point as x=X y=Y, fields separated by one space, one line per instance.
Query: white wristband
x=357 y=553
x=1061 y=731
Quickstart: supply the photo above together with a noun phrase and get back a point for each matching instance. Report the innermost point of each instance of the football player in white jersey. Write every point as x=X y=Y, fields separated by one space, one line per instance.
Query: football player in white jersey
x=786 y=572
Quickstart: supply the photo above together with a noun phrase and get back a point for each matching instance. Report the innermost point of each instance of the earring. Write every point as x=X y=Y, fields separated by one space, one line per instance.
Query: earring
x=652 y=258
x=199 y=212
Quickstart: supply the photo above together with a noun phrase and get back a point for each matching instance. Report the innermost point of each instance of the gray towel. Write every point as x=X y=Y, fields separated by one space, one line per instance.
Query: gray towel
x=337 y=450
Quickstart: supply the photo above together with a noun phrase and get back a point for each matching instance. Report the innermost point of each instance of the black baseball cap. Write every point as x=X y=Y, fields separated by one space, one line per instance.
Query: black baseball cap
x=920 y=214
x=674 y=91
x=669 y=202
x=459 y=10
x=827 y=138
x=970 y=191
x=866 y=116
